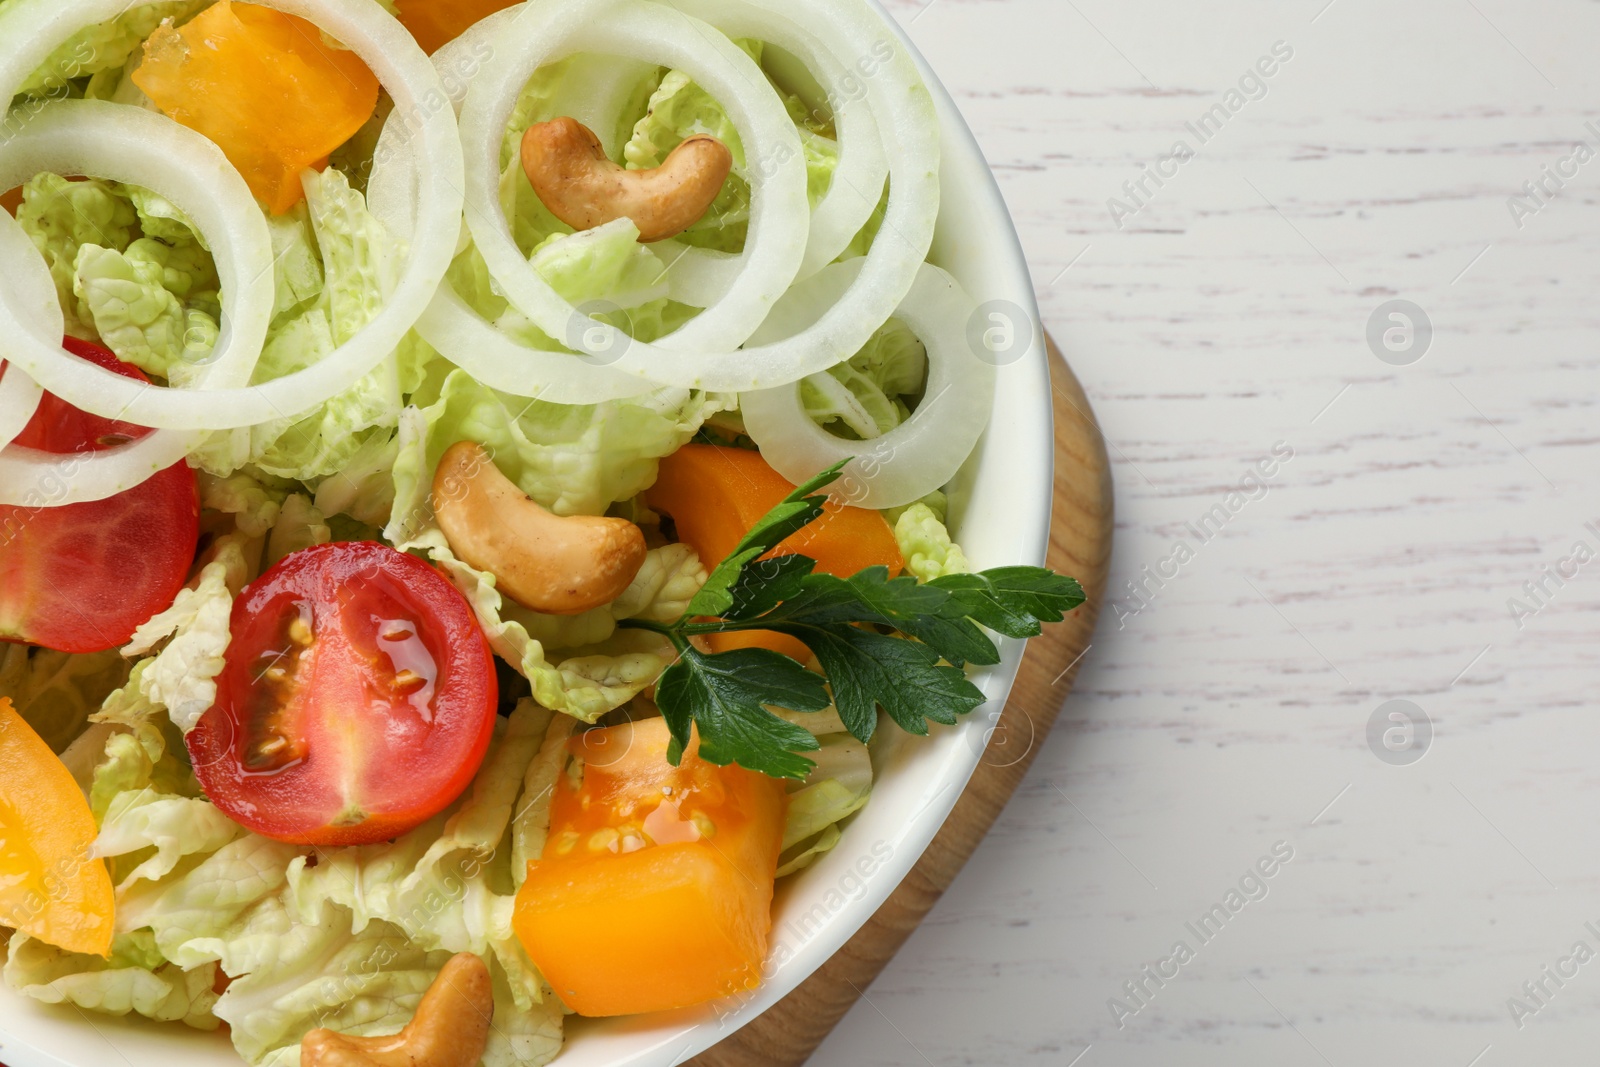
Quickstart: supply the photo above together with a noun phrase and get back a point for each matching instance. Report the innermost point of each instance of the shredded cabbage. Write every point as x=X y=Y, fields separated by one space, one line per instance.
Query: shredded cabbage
x=254 y=505
x=118 y=986
x=300 y=525
x=680 y=109
x=305 y=947
x=436 y=884
x=155 y=305
x=868 y=392
x=321 y=306
x=62 y=216
x=152 y=299
x=104 y=46
x=573 y=460
x=182 y=676
x=926 y=546
x=602 y=678
x=838 y=787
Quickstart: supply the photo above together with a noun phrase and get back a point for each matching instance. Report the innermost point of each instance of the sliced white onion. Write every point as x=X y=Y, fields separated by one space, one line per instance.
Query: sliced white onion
x=19 y=399
x=596 y=92
x=858 y=180
x=459 y=333
x=699 y=277
x=28 y=279
x=126 y=144
x=503 y=363
x=28 y=477
x=34 y=28
x=921 y=454
x=780 y=211
x=901 y=106
x=131 y=145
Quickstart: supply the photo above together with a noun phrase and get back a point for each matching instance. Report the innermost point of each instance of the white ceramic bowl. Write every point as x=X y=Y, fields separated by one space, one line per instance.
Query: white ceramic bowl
x=1001 y=516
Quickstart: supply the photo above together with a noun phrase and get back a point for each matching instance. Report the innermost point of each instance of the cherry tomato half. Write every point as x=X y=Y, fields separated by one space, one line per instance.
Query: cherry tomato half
x=82 y=577
x=357 y=699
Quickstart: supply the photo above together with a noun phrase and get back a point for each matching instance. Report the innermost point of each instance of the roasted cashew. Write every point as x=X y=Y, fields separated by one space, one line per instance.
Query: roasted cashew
x=560 y=566
x=450 y=1029
x=569 y=170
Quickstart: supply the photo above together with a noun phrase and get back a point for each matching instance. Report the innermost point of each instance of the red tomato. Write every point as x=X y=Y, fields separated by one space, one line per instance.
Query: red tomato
x=357 y=700
x=59 y=427
x=82 y=577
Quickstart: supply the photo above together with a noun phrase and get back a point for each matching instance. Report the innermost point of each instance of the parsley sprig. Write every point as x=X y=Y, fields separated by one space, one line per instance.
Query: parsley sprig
x=893 y=643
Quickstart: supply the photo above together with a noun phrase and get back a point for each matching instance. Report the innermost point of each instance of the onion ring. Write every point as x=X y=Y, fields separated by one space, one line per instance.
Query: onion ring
x=780 y=210
x=903 y=109
x=597 y=92
x=31 y=478
x=459 y=333
x=28 y=279
x=918 y=456
x=132 y=145
x=39 y=26
x=19 y=399
x=859 y=179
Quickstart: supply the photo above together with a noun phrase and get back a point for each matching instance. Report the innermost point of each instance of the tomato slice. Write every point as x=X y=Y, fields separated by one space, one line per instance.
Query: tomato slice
x=356 y=702
x=82 y=577
x=60 y=428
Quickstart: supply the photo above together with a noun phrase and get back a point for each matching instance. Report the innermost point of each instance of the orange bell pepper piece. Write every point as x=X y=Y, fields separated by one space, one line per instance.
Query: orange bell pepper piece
x=435 y=23
x=715 y=495
x=51 y=887
x=265 y=86
x=655 y=888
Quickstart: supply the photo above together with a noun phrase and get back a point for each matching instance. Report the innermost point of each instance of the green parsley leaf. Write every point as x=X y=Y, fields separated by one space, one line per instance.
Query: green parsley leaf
x=794 y=513
x=766 y=583
x=882 y=642
x=868 y=669
x=868 y=596
x=957 y=640
x=1013 y=600
x=725 y=696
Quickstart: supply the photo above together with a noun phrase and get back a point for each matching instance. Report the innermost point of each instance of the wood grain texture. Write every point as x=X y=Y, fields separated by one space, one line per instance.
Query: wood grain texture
x=1080 y=545
x=1228 y=710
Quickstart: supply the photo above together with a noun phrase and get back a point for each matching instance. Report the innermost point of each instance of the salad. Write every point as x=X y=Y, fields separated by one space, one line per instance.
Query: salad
x=471 y=503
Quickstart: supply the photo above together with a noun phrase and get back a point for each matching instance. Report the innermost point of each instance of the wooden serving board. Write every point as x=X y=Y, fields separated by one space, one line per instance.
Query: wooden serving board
x=1080 y=545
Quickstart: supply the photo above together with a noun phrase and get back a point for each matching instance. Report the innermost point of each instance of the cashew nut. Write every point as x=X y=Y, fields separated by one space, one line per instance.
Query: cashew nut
x=450 y=1029
x=569 y=170
x=560 y=566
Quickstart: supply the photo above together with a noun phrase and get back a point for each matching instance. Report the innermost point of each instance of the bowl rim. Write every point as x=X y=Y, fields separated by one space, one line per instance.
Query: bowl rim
x=671 y=1038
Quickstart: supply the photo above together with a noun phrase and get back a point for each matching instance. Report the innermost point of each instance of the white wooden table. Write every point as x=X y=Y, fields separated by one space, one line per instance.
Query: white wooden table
x=1226 y=709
